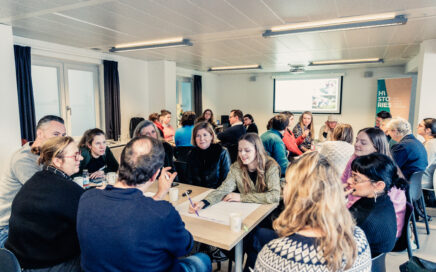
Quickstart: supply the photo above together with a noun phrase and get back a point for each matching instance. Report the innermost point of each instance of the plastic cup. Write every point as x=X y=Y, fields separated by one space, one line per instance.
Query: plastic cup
x=111 y=178
x=235 y=222
x=174 y=194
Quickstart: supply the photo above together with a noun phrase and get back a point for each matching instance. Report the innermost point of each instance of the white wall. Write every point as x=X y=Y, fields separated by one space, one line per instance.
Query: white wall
x=426 y=94
x=256 y=97
x=9 y=116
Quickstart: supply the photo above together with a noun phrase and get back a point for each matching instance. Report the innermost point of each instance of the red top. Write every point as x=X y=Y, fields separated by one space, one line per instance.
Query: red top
x=291 y=143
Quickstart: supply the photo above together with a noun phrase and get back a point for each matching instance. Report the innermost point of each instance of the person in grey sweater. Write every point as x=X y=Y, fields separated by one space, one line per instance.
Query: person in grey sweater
x=23 y=165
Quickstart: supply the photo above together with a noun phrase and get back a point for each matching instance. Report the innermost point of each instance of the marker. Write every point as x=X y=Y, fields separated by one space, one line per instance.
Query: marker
x=245 y=227
x=192 y=204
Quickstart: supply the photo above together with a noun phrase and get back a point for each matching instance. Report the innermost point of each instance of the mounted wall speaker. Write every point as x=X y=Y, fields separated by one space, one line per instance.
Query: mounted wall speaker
x=253 y=78
x=368 y=74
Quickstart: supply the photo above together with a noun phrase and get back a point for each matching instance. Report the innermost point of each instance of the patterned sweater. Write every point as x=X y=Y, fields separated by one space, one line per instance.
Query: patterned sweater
x=299 y=253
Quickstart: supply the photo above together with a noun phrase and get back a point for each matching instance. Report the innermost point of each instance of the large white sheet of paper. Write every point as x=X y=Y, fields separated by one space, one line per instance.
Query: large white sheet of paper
x=220 y=212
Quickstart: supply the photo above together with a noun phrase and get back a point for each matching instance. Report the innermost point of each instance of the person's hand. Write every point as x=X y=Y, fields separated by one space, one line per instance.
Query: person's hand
x=97 y=174
x=164 y=183
x=197 y=206
x=305 y=133
x=348 y=190
x=232 y=197
x=326 y=127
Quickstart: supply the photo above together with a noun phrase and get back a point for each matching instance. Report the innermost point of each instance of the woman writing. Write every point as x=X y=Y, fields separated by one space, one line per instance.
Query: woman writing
x=208 y=162
x=254 y=174
x=372 y=177
x=42 y=227
x=97 y=156
x=314 y=224
x=370 y=140
x=305 y=123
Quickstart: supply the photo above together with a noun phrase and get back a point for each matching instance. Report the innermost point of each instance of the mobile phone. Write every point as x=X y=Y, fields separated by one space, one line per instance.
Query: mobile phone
x=188 y=192
x=174 y=184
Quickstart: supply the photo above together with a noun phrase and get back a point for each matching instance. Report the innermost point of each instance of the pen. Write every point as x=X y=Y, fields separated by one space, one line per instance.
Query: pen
x=192 y=204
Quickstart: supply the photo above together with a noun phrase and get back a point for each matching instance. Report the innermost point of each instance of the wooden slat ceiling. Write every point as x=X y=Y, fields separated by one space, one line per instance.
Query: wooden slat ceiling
x=224 y=32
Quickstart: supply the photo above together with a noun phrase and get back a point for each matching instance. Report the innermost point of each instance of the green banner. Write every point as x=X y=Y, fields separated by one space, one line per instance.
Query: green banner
x=382 y=97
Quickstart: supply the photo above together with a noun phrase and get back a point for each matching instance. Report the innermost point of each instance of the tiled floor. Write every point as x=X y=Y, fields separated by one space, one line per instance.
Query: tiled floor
x=426 y=251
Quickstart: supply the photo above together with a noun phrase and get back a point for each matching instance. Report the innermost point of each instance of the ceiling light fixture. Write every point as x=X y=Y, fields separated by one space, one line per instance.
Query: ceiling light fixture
x=365 y=21
x=346 y=61
x=238 y=67
x=172 y=42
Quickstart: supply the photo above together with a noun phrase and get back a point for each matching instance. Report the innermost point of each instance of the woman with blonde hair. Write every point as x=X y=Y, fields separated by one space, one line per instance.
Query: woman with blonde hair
x=316 y=231
x=305 y=126
x=254 y=174
x=42 y=227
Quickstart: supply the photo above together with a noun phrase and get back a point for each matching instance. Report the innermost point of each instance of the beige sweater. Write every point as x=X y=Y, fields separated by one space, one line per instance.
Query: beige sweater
x=234 y=180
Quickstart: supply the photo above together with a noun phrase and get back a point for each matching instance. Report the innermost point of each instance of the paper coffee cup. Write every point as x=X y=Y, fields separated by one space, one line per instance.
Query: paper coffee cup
x=174 y=194
x=111 y=178
x=79 y=181
x=235 y=222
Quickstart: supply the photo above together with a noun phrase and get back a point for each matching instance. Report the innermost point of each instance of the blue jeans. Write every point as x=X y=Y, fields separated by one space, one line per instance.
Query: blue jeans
x=4 y=233
x=198 y=262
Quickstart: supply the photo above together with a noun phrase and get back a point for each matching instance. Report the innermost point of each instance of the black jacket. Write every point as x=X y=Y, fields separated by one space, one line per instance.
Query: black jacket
x=208 y=168
x=252 y=128
x=231 y=135
x=42 y=227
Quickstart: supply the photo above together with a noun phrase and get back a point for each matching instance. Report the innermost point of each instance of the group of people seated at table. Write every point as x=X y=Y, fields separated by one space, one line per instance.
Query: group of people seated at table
x=342 y=205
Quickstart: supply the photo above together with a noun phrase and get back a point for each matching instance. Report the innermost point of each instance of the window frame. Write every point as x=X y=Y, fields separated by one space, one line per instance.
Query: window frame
x=62 y=66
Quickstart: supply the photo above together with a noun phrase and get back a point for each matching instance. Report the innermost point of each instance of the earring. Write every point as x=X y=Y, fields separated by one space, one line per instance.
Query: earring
x=375 y=196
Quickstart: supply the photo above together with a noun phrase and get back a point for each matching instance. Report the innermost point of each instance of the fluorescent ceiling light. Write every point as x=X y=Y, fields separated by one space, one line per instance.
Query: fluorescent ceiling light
x=171 y=42
x=365 y=21
x=345 y=61
x=238 y=67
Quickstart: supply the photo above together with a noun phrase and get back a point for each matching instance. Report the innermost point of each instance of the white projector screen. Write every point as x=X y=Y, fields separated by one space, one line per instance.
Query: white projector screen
x=318 y=95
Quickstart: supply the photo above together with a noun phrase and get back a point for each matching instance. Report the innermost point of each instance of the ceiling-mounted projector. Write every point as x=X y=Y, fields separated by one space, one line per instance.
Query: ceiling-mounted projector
x=297 y=69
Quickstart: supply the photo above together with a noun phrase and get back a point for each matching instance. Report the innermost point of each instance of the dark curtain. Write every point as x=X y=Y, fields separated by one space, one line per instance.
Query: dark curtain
x=26 y=104
x=198 y=103
x=112 y=99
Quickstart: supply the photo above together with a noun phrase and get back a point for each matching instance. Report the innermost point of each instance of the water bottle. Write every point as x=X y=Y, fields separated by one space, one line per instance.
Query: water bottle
x=85 y=176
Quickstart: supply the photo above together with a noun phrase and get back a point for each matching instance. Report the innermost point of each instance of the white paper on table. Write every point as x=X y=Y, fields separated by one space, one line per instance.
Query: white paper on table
x=220 y=212
x=149 y=194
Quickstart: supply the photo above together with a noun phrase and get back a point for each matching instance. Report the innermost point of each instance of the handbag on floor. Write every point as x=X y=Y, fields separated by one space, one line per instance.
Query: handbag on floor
x=416 y=264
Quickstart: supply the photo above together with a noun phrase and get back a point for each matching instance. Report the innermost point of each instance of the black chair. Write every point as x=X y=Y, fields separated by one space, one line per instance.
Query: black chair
x=403 y=241
x=379 y=263
x=8 y=261
x=416 y=197
x=134 y=121
x=181 y=152
x=181 y=168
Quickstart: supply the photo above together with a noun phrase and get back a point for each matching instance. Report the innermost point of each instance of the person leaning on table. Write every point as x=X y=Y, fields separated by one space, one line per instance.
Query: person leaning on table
x=254 y=174
x=121 y=229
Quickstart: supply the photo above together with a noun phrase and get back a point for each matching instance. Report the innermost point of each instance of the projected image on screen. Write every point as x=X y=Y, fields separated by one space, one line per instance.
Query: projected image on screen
x=322 y=95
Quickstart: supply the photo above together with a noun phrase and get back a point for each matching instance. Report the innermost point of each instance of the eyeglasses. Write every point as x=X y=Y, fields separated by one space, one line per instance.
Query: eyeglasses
x=357 y=180
x=76 y=156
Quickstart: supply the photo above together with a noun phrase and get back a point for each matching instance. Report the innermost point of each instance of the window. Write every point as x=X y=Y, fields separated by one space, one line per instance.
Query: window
x=68 y=90
x=184 y=95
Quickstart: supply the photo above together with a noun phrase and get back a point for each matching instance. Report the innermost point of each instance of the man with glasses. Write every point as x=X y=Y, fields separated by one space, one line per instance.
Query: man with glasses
x=24 y=163
x=229 y=138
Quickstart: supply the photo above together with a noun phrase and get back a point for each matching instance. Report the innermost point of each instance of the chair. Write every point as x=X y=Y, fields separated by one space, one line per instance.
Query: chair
x=403 y=241
x=415 y=194
x=181 y=168
x=8 y=261
x=181 y=152
x=379 y=263
x=134 y=121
